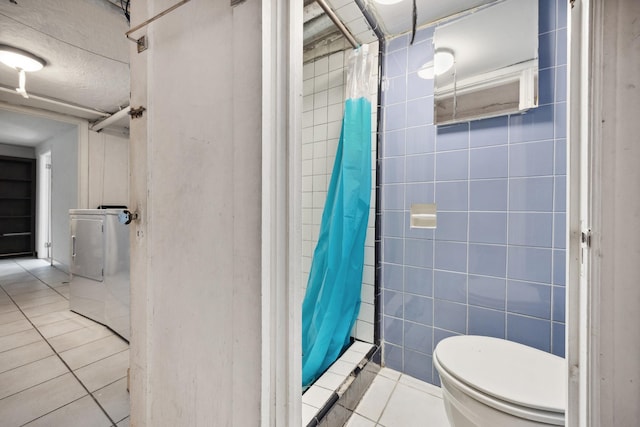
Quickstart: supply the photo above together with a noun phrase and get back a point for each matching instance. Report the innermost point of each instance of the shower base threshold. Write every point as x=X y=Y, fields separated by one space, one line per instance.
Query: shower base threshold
x=333 y=397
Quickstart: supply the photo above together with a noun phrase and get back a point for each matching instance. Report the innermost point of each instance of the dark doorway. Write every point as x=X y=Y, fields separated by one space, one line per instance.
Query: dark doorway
x=17 y=206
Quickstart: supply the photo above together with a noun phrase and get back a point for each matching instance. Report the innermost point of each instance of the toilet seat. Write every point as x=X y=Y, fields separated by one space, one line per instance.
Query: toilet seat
x=510 y=377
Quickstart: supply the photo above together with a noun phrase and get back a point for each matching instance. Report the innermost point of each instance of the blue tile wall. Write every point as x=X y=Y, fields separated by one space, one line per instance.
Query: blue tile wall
x=393 y=277
x=493 y=131
x=490 y=323
x=529 y=331
x=419 y=168
x=528 y=263
x=418 y=365
x=393 y=356
x=396 y=91
x=418 y=309
x=394 y=143
x=495 y=264
x=450 y=256
x=418 y=281
x=532 y=159
x=418 y=252
x=559 y=267
x=452 y=165
x=558 y=338
x=450 y=316
x=487 y=260
x=452 y=226
x=393 y=250
x=546 y=86
x=453 y=137
x=418 y=193
x=532 y=299
x=393 y=330
x=489 y=195
x=488 y=227
x=393 y=224
x=393 y=197
x=392 y=303
x=547 y=15
x=418 y=87
x=485 y=291
x=417 y=337
x=452 y=196
x=489 y=162
x=420 y=111
x=531 y=194
x=530 y=229
x=393 y=170
x=450 y=286
x=420 y=139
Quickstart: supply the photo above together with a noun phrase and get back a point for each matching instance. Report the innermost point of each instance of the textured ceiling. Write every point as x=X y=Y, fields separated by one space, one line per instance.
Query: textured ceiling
x=87 y=53
x=397 y=18
x=26 y=130
x=393 y=20
x=85 y=49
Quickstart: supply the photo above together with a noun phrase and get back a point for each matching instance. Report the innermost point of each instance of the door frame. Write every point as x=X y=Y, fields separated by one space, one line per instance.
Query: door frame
x=43 y=213
x=82 y=127
x=281 y=397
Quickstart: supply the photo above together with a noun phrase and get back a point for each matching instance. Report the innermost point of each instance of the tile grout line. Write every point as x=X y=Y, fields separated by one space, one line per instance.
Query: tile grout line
x=386 y=403
x=44 y=415
x=40 y=280
x=60 y=357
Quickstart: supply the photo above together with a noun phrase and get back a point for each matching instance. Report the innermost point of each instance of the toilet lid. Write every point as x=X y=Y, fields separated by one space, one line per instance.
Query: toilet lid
x=506 y=370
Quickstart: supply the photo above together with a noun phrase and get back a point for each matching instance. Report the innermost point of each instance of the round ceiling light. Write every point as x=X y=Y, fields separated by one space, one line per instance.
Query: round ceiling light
x=442 y=62
x=20 y=59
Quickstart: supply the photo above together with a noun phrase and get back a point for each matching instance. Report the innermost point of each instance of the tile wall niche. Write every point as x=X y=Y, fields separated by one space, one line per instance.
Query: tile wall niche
x=495 y=265
x=324 y=79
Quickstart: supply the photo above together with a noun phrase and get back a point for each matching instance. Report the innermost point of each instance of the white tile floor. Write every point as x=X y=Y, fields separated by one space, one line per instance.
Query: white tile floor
x=398 y=400
x=56 y=368
x=61 y=369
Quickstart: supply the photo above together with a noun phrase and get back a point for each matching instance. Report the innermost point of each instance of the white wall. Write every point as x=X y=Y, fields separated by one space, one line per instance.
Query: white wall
x=64 y=190
x=17 y=151
x=108 y=170
x=616 y=252
x=196 y=158
x=324 y=81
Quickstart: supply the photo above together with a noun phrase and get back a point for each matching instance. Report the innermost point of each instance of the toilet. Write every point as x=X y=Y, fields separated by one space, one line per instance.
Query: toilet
x=493 y=382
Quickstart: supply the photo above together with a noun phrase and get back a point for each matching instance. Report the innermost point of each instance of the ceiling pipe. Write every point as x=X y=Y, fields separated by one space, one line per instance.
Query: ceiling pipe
x=318 y=29
x=98 y=126
x=332 y=15
x=57 y=102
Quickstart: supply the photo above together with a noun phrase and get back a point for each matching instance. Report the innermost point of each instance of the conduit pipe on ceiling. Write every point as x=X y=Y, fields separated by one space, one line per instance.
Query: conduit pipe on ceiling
x=344 y=30
x=57 y=102
x=98 y=126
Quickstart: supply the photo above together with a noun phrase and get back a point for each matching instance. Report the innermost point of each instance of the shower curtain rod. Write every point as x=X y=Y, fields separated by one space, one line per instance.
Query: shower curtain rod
x=344 y=30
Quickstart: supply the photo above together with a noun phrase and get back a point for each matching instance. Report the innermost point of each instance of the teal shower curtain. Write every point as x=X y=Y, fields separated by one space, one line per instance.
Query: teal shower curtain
x=332 y=299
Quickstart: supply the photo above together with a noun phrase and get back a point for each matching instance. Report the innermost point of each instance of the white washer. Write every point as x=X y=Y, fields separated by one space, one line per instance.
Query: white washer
x=100 y=285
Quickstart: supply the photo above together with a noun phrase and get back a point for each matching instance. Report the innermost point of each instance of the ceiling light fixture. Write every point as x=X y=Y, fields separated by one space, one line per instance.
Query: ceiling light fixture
x=442 y=62
x=21 y=61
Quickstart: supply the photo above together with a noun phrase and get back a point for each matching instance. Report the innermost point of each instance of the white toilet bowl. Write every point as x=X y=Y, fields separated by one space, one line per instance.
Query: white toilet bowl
x=493 y=382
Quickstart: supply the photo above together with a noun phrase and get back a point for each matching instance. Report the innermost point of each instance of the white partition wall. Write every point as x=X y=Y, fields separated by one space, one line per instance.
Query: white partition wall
x=64 y=191
x=208 y=160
